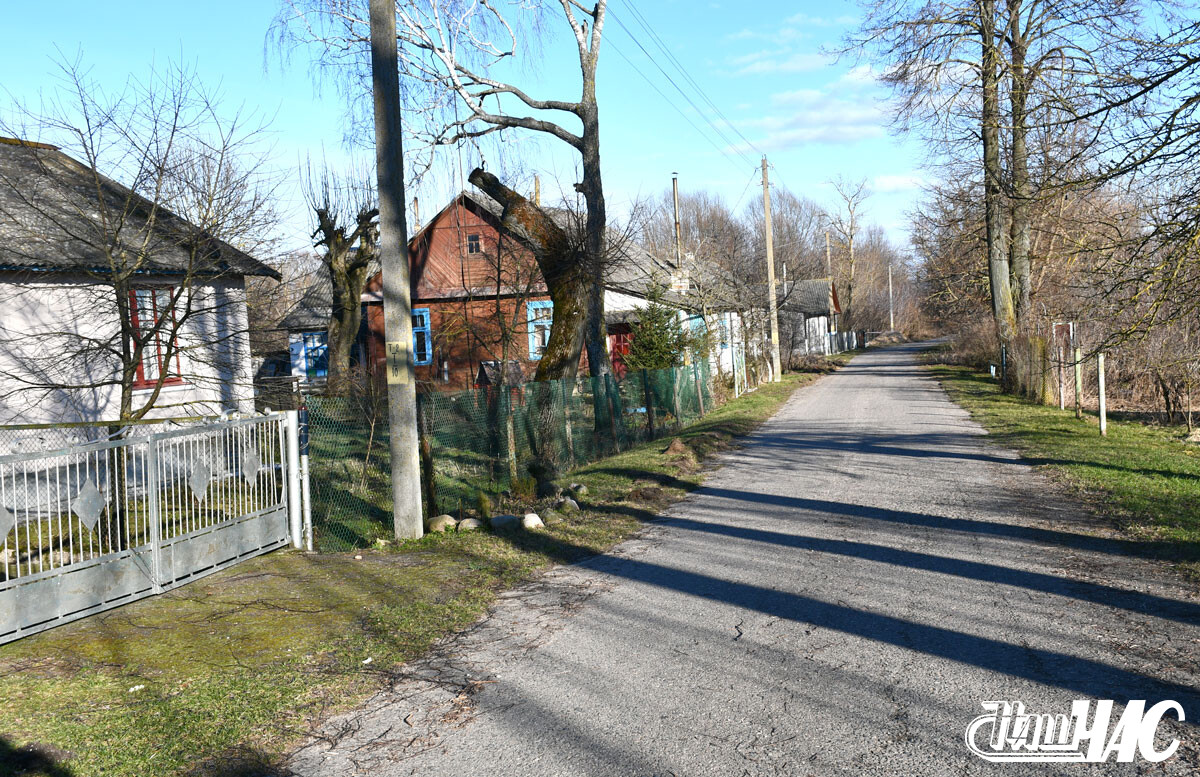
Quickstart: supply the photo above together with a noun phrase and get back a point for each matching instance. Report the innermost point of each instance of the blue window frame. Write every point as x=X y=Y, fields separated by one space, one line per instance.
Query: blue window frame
x=422 y=337
x=316 y=354
x=540 y=315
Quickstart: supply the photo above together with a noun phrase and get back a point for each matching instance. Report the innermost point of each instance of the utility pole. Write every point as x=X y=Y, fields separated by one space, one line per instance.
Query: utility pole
x=776 y=370
x=828 y=258
x=891 y=312
x=678 y=234
x=393 y=257
x=829 y=272
x=537 y=190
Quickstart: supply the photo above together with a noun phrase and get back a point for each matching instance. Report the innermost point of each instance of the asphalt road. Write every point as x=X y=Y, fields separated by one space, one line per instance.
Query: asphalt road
x=839 y=598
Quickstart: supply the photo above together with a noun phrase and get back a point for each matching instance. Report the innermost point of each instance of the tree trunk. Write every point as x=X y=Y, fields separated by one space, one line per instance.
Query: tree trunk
x=595 y=227
x=345 y=320
x=566 y=276
x=998 y=268
x=1019 y=227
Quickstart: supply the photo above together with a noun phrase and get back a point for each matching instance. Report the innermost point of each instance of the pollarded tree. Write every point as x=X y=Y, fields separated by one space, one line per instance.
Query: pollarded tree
x=347 y=234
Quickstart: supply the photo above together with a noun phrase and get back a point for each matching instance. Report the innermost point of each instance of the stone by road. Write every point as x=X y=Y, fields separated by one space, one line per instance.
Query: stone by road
x=838 y=599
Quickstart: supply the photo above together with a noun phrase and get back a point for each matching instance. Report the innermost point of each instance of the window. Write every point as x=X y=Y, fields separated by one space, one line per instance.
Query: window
x=540 y=315
x=152 y=314
x=422 y=338
x=474 y=245
x=316 y=354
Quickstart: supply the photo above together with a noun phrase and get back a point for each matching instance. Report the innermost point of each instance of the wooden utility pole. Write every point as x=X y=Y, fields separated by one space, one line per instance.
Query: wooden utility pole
x=776 y=371
x=678 y=233
x=891 y=312
x=537 y=190
x=829 y=272
x=393 y=257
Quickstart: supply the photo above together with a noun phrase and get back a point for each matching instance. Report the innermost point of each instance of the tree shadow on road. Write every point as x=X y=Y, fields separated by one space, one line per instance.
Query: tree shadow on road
x=1094 y=679
x=1086 y=542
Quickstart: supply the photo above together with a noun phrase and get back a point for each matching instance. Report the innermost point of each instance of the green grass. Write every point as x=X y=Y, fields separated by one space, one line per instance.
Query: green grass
x=1144 y=476
x=221 y=676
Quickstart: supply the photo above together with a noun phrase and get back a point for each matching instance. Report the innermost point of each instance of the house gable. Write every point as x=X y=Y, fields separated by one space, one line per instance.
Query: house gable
x=463 y=253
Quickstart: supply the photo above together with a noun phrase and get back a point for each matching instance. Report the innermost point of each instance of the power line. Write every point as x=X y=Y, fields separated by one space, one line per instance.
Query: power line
x=688 y=119
x=742 y=196
x=662 y=46
x=717 y=129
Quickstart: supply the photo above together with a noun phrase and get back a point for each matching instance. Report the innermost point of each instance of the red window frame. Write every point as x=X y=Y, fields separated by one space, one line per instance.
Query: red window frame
x=154 y=349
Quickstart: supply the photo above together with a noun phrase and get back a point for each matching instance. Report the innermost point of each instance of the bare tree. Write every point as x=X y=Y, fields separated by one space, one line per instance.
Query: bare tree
x=451 y=47
x=847 y=223
x=952 y=63
x=158 y=298
x=347 y=231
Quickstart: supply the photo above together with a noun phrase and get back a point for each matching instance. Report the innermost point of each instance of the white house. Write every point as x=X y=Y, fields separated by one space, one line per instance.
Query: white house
x=79 y=254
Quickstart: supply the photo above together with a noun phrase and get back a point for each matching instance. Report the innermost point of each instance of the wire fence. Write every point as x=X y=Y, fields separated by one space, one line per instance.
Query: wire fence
x=484 y=442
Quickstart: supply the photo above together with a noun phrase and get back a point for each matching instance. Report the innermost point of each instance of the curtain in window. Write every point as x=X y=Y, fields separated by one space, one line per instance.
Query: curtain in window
x=540 y=314
x=422 y=337
x=153 y=316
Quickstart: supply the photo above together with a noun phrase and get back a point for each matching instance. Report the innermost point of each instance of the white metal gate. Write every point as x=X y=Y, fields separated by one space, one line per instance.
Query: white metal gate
x=98 y=525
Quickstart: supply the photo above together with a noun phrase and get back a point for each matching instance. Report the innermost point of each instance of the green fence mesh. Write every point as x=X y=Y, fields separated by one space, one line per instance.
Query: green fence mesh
x=484 y=440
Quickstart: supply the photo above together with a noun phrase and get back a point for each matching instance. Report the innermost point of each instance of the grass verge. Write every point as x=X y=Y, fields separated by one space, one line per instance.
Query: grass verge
x=223 y=675
x=1144 y=476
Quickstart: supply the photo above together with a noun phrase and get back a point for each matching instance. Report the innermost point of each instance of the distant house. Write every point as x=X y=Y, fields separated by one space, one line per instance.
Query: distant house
x=60 y=321
x=478 y=298
x=810 y=310
x=306 y=327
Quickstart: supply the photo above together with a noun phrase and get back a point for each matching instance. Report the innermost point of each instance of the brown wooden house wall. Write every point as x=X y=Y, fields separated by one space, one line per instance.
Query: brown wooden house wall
x=459 y=289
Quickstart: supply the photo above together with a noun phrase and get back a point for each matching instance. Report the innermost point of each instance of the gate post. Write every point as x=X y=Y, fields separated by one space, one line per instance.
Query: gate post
x=292 y=438
x=155 y=514
x=305 y=488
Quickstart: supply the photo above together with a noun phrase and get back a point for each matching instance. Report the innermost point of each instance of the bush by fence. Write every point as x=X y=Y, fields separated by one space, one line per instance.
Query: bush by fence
x=485 y=441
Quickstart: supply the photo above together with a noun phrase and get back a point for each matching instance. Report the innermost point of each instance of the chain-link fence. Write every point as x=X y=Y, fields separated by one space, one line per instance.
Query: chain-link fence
x=485 y=441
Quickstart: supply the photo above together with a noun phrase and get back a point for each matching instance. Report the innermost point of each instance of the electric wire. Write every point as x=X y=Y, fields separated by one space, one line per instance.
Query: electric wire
x=732 y=146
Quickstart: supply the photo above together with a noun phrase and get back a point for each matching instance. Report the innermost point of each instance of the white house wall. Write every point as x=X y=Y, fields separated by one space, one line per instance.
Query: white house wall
x=619 y=302
x=48 y=373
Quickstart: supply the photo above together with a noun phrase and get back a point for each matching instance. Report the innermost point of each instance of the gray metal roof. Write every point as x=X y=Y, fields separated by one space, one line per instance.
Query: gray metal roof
x=811 y=298
x=52 y=214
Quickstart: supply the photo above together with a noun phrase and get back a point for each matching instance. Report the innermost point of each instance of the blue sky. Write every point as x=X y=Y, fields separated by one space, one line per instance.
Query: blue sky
x=761 y=63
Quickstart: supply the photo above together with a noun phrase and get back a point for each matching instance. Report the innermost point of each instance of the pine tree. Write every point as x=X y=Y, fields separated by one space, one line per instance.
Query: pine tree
x=659 y=339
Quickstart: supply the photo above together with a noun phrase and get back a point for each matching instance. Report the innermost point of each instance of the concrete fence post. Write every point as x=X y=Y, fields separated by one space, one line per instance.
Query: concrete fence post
x=292 y=440
x=1100 y=385
x=1078 y=383
x=1062 y=386
x=305 y=486
x=154 y=510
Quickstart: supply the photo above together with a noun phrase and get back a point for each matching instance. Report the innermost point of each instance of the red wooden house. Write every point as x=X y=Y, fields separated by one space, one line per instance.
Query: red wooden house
x=477 y=298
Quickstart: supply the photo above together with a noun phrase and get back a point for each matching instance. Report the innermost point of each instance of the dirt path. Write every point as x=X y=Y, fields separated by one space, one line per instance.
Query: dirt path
x=839 y=599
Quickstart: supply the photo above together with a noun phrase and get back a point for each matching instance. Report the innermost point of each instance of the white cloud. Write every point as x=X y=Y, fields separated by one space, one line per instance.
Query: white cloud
x=828 y=134
x=897 y=183
x=860 y=75
x=763 y=62
x=839 y=113
x=804 y=20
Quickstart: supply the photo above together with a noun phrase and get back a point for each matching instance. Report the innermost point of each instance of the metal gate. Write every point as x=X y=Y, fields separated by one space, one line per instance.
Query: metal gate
x=98 y=525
